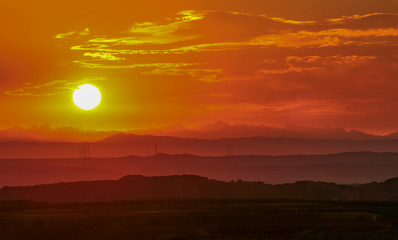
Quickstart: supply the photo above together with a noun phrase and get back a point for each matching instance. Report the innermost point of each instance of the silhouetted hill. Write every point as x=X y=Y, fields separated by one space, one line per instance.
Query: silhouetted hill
x=341 y=168
x=195 y=187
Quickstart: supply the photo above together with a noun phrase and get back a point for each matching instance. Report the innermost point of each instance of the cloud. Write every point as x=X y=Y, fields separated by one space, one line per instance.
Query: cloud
x=99 y=64
x=327 y=38
x=48 y=88
x=205 y=47
x=257 y=58
x=73 y=34
x=208 y=28
x=335 y=106
x=104 y=56
x=338 y=59
x=218 y=32
x=301 y=64
x=196 y=71
x=366 y=21
x=196 y=74
x=65 y=35
x=156 y=33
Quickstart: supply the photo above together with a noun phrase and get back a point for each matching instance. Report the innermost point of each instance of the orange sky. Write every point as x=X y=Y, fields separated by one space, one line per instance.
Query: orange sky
x=163 y=63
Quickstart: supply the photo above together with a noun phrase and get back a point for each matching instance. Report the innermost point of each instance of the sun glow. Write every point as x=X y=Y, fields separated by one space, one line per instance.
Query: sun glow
x=87 y=97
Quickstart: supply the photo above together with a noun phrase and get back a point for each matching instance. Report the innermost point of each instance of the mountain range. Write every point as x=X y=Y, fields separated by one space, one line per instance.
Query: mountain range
x=216 y=130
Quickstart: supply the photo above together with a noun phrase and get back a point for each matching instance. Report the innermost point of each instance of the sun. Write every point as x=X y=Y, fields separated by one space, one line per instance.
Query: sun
x=87 y=97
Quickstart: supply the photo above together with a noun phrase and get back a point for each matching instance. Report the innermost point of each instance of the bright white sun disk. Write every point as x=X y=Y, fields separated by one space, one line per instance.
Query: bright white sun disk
x=87 y=97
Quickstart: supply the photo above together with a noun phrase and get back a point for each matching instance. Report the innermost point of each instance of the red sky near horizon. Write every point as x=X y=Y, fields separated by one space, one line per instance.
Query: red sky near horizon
x=163 y=63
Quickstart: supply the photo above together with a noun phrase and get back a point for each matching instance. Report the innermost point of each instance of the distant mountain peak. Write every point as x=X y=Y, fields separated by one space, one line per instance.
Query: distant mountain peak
x=221 y=124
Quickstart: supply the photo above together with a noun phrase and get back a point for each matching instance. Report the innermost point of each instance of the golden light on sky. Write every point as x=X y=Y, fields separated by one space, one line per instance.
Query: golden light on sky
x=188 y=63
x=87 y=97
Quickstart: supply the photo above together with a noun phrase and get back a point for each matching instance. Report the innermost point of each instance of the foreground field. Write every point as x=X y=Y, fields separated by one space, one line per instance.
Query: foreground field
x=199 y=219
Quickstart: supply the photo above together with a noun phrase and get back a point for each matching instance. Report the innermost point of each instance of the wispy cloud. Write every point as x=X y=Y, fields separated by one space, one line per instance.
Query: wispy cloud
x=327 y=38
x=196 y=71
x=321 y=107
x=103 y=56
x=281 y=58
x=48 y=88
x=156 y=33
x=196 y=74
x=73 y=34
x=381 y=19
x=237 y=31
x=334 y=59
x=100 y=64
